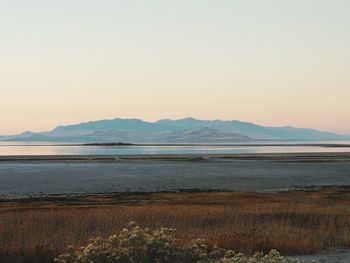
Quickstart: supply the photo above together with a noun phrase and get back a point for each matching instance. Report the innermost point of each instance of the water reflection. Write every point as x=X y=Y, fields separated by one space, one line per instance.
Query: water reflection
x=51 y=149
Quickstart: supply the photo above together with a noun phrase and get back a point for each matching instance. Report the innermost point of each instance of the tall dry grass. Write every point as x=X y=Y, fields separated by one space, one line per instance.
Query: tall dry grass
x=245 y=222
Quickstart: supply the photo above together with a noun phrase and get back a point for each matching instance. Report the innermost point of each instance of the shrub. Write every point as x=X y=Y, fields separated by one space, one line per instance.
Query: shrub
x=137 y=245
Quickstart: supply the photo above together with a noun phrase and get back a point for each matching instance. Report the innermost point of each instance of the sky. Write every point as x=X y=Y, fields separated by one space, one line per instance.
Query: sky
x=271 y=62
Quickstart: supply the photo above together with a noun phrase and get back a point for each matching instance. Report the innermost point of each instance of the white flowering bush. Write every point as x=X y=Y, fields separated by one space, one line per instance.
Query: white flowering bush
x=137 y=245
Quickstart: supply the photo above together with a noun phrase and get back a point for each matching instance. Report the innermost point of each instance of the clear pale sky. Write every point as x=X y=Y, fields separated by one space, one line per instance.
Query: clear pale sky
x=272 y=62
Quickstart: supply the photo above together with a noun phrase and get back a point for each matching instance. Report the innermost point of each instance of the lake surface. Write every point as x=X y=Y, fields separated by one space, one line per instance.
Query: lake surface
x=11 y=148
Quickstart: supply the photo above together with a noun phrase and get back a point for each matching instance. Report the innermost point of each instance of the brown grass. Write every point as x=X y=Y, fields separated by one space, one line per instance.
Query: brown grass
x=296 y=222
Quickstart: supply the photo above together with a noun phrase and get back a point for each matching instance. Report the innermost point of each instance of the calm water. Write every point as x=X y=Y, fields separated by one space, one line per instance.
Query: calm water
x=10 y=148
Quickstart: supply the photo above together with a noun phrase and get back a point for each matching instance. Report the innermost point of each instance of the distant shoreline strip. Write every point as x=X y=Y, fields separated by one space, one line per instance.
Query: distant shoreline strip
x=283 y=157
x=325 y=145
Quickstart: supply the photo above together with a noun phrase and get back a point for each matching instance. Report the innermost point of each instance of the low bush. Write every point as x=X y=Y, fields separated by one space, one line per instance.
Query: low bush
x=141 y=245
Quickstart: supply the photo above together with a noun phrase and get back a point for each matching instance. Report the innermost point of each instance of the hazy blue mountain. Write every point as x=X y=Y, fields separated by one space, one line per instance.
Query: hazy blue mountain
x=201 y=135
x=187 y=130
x=26 y=134
x=104 y=125
x=256 y=131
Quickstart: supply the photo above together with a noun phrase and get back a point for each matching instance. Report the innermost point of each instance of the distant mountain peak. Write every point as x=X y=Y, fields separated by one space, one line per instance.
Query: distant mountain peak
x=189 y=119
x=27 y=133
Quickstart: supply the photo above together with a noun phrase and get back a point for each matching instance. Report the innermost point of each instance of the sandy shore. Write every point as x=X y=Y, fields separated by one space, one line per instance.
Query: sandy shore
x=44 y=175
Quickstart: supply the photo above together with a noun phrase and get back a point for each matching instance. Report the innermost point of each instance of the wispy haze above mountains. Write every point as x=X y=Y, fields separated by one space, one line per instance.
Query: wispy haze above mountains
x=188 y=130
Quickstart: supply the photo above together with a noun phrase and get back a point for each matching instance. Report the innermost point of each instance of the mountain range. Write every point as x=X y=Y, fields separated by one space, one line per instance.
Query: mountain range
x=188 y=130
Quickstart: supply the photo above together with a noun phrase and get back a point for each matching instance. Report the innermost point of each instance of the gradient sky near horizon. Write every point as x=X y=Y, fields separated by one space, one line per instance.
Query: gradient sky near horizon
x=271 y=62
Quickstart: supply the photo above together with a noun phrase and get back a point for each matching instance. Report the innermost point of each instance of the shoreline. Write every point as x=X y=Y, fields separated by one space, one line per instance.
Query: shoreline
x=298 y=157
x=139 y=197
x=240 y=144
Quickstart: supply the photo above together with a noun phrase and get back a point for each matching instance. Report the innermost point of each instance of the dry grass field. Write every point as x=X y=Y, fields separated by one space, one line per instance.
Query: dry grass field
x=294 y=222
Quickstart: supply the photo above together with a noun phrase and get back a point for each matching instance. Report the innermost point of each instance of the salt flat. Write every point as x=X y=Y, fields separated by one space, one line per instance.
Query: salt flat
x=42 y=175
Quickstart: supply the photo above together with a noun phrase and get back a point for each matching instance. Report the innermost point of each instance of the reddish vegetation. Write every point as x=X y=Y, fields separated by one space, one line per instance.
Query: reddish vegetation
x=294 y=222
